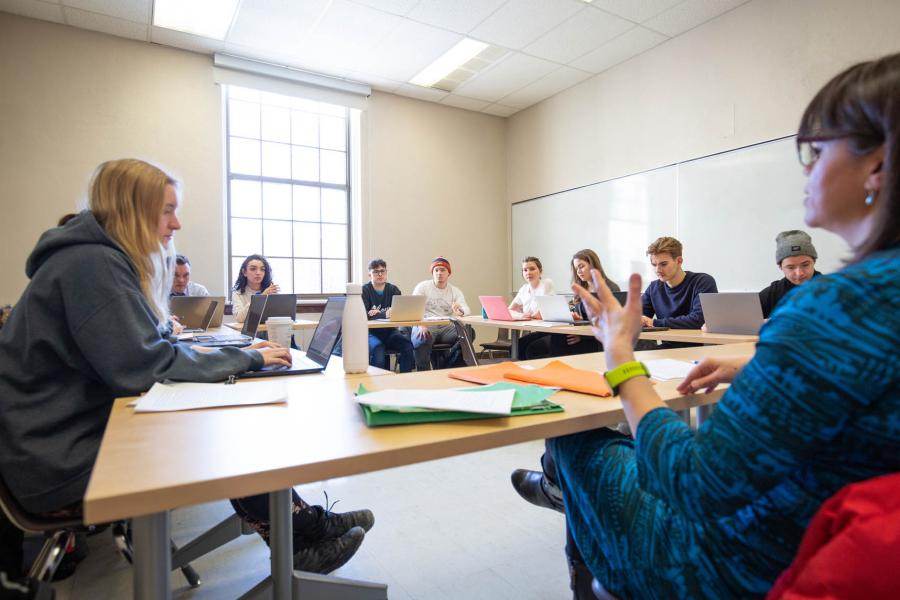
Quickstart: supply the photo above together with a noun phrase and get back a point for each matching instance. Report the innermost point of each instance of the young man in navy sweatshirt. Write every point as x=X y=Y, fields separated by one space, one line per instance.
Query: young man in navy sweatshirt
x=673 y=300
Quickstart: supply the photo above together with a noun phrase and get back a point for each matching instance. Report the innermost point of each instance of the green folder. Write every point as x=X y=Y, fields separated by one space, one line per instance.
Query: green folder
x=529 y=400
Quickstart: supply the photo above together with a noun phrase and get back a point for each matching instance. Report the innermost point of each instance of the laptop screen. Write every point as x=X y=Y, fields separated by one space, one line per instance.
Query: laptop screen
x=327 y=331
x=254 y=314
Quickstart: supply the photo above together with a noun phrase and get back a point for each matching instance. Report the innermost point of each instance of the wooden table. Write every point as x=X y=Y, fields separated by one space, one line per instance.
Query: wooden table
x=693 y=336
x=186 y=458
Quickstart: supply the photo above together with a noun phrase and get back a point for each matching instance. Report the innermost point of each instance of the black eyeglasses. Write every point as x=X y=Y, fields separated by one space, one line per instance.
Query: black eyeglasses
x=379 y=271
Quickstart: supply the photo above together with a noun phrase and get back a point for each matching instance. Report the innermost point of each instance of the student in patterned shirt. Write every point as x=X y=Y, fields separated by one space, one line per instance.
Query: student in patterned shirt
x=719 y=513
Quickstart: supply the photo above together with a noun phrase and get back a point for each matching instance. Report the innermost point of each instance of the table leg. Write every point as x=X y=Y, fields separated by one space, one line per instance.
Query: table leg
x=152 y=557
x=281 y=543
x=514 y=344
x=703 y=413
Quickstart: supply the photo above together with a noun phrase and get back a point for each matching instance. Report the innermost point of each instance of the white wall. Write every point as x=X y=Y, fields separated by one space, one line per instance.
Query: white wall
x=742 y=78
x=433 y=177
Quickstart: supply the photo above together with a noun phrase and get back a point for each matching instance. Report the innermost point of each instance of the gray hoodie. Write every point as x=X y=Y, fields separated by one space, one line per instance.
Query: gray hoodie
x=81 y=335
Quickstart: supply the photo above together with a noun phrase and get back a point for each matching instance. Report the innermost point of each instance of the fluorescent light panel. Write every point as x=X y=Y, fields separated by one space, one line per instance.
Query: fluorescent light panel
x=455 y=57
x=209 y=18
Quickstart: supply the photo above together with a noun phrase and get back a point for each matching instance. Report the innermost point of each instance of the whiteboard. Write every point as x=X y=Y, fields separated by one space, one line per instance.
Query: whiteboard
x=726 y=209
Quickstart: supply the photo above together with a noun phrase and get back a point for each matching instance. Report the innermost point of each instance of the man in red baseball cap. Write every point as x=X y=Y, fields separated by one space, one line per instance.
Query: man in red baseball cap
x=443 y=300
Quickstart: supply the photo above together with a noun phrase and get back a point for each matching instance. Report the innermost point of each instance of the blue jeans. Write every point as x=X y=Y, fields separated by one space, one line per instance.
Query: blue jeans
x=381 y=340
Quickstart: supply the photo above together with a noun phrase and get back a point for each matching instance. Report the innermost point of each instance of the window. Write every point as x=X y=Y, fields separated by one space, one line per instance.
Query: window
x=288 y=191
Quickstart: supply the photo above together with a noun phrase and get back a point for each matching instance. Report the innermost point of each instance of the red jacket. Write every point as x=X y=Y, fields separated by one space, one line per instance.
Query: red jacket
x=851 y=549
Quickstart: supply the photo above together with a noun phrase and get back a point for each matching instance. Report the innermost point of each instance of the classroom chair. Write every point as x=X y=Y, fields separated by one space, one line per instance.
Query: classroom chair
x=467 y=349
x=502 y=344
x=59 y=532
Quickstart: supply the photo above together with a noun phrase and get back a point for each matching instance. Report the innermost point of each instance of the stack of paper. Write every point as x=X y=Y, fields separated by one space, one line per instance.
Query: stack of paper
x=493 y=402
x=668 y=368
x=164 y=397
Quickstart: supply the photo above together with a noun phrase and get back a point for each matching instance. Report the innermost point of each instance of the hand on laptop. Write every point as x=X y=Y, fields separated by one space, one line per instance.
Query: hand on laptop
x=646 y=321
x=273 y=354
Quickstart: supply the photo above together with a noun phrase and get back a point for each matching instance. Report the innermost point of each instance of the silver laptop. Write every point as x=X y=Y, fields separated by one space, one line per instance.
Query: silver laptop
x=192 y=311
x=406 y=308
x=732 y=312
x=556 y=309
x=315 y=359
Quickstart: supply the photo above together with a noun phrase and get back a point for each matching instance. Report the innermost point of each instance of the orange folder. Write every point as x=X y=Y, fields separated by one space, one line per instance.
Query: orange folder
x=554 y=374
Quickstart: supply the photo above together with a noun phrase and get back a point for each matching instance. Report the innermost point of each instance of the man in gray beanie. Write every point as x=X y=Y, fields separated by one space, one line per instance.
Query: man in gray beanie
x=796 y=257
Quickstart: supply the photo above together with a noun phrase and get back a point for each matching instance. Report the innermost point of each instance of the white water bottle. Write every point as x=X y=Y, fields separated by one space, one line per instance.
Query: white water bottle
x=355 y=332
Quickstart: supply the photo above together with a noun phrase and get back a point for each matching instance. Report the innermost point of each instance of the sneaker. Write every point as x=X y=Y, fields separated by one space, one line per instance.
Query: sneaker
x=326 y=556
x=331 y=525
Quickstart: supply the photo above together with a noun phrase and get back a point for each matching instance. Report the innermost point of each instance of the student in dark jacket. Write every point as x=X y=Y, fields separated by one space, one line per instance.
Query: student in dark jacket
x=70 y=348
x=377 y=296
x=673 y=300
x=796 y=257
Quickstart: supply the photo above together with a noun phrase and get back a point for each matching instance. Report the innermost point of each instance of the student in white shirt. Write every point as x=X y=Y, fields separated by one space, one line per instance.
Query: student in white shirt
x=443 y=300
x=537 y=343
x=181 y=282
x=254 y=278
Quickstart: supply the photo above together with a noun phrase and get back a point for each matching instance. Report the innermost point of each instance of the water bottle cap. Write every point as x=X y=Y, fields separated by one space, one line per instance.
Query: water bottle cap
x=354 y=288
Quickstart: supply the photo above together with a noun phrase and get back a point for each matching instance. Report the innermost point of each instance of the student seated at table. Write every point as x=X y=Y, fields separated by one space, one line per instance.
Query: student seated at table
x=537 y=343
x=69 y=349
x=181 y=280
x=443 y=300
x=720 y=512
x=796 y=256
x=377 y=295
x=673 y=300
x=255 y=277
x=582 y=263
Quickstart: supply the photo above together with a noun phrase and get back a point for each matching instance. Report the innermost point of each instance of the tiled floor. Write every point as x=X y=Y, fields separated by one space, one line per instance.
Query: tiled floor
x=447 y=529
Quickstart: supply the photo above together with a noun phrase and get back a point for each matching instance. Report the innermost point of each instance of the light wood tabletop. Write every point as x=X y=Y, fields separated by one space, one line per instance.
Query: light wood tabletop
x=694 y=336
x=191 y=457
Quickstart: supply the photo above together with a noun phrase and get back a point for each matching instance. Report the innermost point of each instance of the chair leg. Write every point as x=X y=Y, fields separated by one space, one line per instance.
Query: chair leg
x=123 y=541
x=51 y=555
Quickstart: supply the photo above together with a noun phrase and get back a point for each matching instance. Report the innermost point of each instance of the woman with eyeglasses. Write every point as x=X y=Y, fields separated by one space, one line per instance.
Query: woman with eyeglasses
x=719 y=513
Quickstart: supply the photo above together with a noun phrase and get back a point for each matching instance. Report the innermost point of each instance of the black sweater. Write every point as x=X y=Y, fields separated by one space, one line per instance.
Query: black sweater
x=372 y=299
x=772 y=295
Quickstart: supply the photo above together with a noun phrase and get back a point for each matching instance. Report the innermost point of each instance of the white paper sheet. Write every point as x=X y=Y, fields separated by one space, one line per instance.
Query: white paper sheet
x=495 y=403
x=164 y=397
x=544 y=324
x=665 y=369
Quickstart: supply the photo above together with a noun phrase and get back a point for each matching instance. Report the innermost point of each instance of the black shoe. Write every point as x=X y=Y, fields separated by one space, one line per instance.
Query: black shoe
x=325 y=557
x=332 y=525
x=534 y=487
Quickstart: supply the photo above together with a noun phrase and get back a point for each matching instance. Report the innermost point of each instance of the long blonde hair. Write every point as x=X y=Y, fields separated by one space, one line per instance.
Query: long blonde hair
x=126 y=197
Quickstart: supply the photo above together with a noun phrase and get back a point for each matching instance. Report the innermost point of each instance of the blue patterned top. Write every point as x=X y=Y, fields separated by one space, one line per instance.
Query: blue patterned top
x=817 y=408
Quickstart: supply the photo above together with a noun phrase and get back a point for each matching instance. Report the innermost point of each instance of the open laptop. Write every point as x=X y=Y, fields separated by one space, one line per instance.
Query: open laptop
x=732 y=312
x=315 y=359
x=496 y=309
x=406 y=308
x=194 y=313
x=556 y=309
x=262 y=307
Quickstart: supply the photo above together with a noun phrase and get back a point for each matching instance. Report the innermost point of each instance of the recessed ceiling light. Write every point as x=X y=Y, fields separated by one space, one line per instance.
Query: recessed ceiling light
x=451 y=60
x=209 y=18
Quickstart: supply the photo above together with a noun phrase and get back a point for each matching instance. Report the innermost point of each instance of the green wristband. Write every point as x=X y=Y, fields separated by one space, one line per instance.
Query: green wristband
x=623 y=373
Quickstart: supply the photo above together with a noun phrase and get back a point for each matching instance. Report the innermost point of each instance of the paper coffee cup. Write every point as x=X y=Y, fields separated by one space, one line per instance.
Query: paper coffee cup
x=280 y=330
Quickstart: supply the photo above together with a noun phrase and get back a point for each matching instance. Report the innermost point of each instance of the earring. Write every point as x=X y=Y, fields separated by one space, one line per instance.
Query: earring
x=870 y=199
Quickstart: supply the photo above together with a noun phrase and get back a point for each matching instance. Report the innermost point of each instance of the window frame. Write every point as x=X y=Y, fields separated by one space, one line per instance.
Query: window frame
x=231 y=274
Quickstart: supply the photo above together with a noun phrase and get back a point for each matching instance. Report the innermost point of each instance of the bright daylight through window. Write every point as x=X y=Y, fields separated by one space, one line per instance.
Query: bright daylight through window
x=289 y=188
